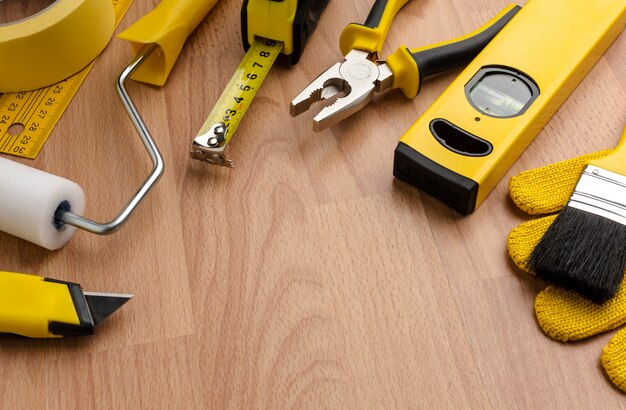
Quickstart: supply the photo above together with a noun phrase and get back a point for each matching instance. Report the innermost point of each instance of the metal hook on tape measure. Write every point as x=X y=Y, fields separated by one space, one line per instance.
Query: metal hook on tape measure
x=209 y=147
x=65 y=216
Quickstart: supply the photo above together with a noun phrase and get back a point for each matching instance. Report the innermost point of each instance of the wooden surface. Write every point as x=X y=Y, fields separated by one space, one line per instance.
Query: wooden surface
x=306 y=277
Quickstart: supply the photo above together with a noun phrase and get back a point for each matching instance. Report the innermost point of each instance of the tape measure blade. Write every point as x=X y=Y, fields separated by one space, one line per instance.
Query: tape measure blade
x=243 y=86
x=39 y=111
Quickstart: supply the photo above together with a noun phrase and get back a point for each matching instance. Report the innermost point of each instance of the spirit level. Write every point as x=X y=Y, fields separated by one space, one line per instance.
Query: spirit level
x=467 y=140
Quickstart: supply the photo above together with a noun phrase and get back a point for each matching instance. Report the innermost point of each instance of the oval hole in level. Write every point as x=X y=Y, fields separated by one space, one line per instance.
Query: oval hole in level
x=457 y=140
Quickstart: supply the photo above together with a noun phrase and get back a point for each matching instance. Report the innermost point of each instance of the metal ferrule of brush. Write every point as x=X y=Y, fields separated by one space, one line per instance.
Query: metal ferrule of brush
x=601 y=192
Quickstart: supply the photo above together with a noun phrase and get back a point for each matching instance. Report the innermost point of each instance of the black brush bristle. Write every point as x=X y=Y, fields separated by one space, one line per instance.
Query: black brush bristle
x=583 y=252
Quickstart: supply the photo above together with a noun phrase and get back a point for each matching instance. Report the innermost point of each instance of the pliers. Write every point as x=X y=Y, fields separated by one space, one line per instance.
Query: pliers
x=362 y=74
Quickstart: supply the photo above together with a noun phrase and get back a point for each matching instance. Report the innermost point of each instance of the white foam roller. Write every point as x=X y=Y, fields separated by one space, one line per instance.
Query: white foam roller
x=29 y=199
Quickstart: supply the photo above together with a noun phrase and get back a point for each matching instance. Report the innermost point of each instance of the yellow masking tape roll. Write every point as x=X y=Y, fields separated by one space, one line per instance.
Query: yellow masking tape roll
x=53 y=44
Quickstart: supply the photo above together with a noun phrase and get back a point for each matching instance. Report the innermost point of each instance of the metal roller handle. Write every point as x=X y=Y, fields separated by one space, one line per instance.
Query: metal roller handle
x=64 y=216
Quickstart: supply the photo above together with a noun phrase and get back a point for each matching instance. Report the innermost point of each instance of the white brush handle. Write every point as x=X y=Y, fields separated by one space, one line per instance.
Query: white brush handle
x=29 y=199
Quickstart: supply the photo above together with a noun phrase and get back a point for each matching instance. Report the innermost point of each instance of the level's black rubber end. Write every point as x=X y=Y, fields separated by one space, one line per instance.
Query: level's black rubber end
x=455 y=190
x=583 y=252
x=305 y=21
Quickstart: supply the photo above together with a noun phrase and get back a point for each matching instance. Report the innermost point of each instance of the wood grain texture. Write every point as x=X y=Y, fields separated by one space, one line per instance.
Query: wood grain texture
x=306 y=277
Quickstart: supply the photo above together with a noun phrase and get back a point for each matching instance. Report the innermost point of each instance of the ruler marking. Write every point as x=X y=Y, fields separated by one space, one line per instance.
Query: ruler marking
x=11 y=121
x=4 y=137
x=14 y=119
x=40 y=99
x=28 y=103
x=21 y=115
x=6 y=142
x=15 y=138
x=18 y=114
x=35 y=101
x=40 y=102
x=7 y=139
x=243 y=85
x=31 y=107
x=34 y=145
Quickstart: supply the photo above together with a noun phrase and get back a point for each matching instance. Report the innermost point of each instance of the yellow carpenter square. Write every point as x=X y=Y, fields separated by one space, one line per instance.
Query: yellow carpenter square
x=28 y=118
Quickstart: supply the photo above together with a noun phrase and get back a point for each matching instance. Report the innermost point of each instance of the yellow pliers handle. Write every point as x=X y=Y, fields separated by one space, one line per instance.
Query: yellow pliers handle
x=411 y=66
x=168 y=25
x=371 y=35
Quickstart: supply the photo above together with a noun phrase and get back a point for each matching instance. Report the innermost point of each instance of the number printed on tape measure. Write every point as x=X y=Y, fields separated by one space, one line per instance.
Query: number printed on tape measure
x=243 y=86
x=28 y=118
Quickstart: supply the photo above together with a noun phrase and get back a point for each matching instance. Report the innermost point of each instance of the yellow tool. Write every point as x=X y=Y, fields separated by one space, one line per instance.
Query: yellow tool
x=167 y=26
x=269 y=28
x=37 y=307
x=49 y=207
x=354 y=82
x=27 y=118
x=230 y=109
x=467 y=140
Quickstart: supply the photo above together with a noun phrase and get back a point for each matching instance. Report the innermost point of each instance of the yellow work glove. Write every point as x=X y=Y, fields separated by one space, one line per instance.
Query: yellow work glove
x=563 y=314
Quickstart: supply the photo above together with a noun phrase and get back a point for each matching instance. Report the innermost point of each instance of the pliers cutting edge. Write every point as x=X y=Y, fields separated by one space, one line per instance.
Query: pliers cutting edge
x=354 y=81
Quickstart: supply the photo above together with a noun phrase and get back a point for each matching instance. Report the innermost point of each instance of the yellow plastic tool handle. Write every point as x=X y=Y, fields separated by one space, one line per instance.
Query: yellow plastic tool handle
x=371 y=35
x=410 y=67
x=168 y=25
x=28 y=304
x=616 y=160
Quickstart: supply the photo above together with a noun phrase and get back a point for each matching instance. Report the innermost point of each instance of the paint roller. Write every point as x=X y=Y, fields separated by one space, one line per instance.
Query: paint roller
x=46 y=209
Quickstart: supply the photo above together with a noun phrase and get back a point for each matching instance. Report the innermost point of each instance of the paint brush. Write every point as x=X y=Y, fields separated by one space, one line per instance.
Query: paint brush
x=585 y=247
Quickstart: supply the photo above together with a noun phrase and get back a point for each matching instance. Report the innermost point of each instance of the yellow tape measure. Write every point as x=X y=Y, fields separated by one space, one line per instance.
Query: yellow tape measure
x=221 y=124
x=28 y=118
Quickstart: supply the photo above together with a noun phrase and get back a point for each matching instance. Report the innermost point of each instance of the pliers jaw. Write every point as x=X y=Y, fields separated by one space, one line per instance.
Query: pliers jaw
x=351 y=83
